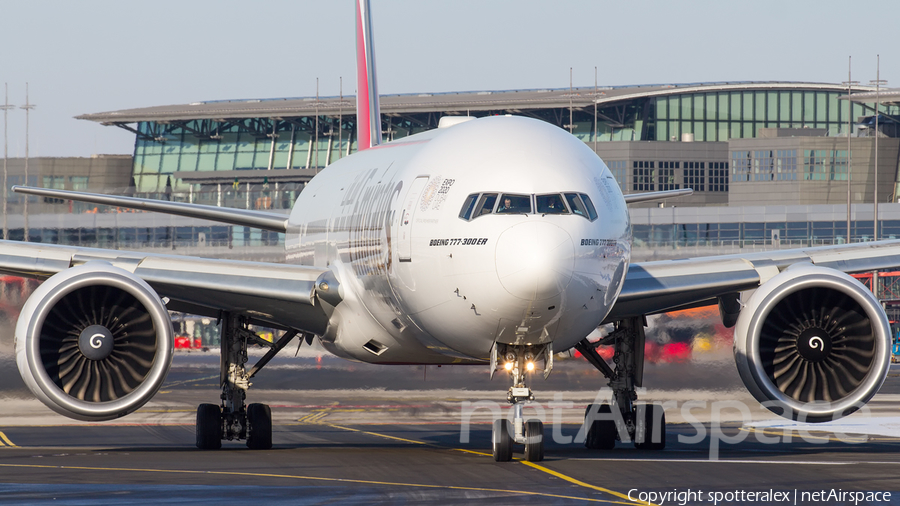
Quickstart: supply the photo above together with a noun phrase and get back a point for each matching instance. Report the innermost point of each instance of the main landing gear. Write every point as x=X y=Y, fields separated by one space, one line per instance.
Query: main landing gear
x=623 y=419
x=518 y=360
x=233 y=419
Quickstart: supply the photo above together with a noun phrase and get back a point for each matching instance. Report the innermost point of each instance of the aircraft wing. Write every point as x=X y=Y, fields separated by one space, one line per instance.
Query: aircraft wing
x=276 y=294
x=266 y=220
x=634 y=198
x=660 y=286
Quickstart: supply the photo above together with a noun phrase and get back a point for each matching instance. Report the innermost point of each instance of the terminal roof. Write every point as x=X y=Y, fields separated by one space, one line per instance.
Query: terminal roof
x=510 y=101
x=890 y=96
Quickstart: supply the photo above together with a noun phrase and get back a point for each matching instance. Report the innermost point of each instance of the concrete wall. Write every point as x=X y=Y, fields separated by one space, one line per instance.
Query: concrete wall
x=105 y=173
x=803 y=192
x=632 y=151
x=102 y=171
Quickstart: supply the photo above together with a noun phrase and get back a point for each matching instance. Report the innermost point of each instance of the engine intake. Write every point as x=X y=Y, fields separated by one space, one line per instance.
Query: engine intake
x=94 y=342
x=812 y=344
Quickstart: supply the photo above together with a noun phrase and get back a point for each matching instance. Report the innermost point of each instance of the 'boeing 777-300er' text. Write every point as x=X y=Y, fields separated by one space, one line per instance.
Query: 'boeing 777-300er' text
x=498 y=241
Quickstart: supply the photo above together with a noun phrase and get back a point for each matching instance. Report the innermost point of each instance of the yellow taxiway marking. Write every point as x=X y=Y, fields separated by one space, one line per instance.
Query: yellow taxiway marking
x=5 y=441
x=315 y=416
x=302 y=477
x=529 y=464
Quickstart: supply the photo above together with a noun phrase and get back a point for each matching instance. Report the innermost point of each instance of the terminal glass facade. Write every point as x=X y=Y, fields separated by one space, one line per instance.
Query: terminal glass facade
x=719 y=116
x=785 y=165
x=251 y=144
x=164 y=148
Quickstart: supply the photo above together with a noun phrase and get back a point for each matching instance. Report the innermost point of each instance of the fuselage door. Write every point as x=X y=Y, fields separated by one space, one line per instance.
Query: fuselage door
x=407 y=214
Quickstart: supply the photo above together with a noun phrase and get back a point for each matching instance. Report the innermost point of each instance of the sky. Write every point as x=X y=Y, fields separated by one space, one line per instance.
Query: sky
x=96 y=55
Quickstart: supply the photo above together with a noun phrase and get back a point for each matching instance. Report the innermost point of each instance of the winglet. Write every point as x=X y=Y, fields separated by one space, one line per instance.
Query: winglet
x=368 y=111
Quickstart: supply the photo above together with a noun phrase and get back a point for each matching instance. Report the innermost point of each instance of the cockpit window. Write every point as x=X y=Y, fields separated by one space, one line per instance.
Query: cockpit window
x=479 y=204
x=466 y=211
x=514 y=204
x=576 y=204
x=551 y=204
x=485 y=204
x=592 y=212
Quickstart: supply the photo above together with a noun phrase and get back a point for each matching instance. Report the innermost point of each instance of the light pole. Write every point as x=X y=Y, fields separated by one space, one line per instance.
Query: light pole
x=850 y=82
x=6 y=107
x=595 y=109
x=877 y=82
x=28 y=107
x=317 y=126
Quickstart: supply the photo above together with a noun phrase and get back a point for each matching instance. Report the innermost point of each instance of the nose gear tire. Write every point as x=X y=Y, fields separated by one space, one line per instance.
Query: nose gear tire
x=534 y=441
x=502 y=441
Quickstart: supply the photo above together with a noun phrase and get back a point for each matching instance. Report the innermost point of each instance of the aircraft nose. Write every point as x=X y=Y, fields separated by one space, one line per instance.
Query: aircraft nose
x=535 y=260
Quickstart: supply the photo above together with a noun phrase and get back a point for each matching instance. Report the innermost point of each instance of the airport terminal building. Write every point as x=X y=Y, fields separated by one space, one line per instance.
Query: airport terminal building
x=731 y=142
x=738 y=145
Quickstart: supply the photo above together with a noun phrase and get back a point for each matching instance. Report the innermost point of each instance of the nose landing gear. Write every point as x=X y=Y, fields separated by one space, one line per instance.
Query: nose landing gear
x=518 y=360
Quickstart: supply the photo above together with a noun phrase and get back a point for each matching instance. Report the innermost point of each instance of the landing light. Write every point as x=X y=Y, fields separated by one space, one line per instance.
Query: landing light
x=508 y=366
x=529 y=366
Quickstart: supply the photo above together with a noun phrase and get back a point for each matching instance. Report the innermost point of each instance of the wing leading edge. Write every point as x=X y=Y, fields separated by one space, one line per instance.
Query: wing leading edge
x=277 y=294
x=274 y=222
x=634 y=198
x=656 y=287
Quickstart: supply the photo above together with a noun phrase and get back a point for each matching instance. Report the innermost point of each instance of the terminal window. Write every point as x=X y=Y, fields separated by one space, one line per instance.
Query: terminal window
x=667 y=178
x=839 y=165
x=763 y=166
x=79 y=183
x=740 y=166
x=718 y=176
x=55 y=182
x=786 y=165
x=643 y=176
x=825 y=165
x=695 y=176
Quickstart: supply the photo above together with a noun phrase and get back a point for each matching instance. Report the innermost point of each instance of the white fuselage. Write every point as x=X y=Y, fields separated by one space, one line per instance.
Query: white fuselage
x=421 y=284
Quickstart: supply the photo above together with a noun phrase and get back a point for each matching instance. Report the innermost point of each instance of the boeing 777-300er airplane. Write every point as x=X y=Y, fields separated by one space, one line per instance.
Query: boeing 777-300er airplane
x=498 y=241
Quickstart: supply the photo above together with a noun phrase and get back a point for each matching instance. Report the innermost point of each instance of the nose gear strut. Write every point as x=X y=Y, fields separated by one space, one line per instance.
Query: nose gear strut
x=518 y=360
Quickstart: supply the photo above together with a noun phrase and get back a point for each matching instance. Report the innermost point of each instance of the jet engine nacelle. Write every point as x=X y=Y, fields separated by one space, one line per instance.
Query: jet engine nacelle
x=94 y=342
x=812 y=344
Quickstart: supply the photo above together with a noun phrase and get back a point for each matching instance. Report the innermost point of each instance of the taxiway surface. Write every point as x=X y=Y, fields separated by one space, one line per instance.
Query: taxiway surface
x=429 y=442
